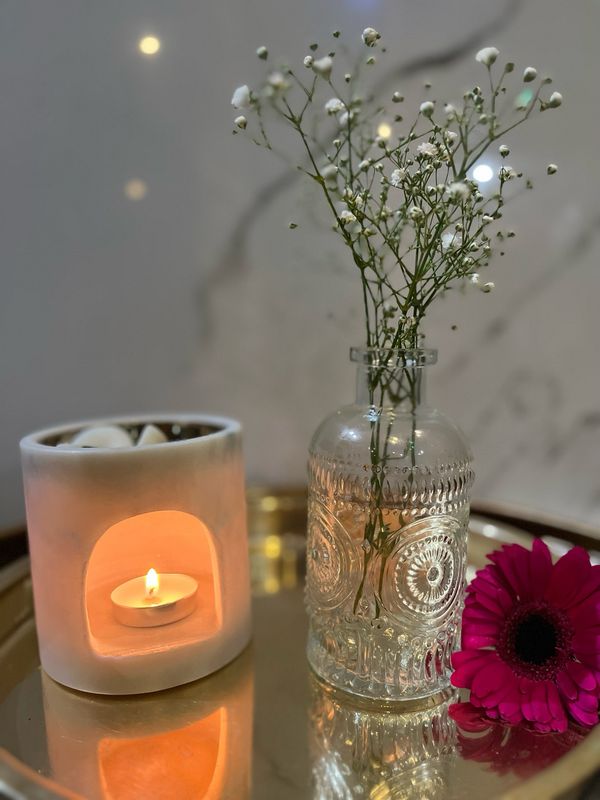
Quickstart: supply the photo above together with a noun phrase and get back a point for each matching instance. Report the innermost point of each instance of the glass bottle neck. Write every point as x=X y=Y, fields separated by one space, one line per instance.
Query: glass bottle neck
x=391 y=378
x=402 y=388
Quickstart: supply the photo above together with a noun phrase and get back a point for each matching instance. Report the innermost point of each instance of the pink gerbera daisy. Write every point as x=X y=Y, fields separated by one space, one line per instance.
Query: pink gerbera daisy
x=531 y=638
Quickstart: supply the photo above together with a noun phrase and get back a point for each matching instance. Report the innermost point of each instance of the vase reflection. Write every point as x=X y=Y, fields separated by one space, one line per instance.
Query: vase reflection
x=377 y=754
x=191 y=742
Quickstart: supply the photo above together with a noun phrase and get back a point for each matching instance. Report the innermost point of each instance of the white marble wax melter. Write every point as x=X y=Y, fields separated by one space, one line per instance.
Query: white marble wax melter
x=107 y=523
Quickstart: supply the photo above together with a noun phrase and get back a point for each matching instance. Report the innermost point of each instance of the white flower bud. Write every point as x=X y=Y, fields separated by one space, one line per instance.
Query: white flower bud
x=370 y=37
x=347 y=216
x=503 y=150
x=323 y=66
x=427 y=108
x=334 y=105
x=530 y=74
x=551 y=169
x=262 y=53
x=449 y=111
x=329 y=172
x=555 y=100
x=397 y=97
x=415 y=213
x=474 y=278
x=308 y=61
x=488 y=287
x=364 y=165
x=241 y=97
x=241 y=122
x=277 y=81
x=487 y=56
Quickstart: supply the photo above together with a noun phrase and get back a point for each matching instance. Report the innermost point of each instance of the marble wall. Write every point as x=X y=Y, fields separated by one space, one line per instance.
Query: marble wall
x=186 y=290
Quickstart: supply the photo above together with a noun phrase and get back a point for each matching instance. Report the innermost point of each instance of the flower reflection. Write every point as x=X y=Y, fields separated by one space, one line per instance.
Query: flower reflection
x=517 y=749
x=377 y=754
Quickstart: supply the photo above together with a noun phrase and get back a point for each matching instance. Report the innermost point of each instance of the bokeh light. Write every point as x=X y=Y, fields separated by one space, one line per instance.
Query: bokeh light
x=149 y=45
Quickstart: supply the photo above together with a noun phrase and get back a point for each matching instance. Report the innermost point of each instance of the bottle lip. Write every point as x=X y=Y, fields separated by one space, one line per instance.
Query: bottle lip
x=393 y=359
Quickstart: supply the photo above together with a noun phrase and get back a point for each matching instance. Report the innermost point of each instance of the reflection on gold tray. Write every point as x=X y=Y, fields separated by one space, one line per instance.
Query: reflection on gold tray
x=197 y=741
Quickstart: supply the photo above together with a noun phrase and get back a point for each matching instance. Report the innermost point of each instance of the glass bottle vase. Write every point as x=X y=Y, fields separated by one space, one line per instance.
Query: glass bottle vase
x=389 y=490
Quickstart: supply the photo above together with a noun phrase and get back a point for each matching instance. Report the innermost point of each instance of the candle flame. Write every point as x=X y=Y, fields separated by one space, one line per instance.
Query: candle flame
x=152 y=583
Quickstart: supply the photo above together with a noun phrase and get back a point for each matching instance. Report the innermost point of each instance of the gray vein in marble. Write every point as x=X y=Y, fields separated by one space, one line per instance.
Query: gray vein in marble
x=582 y=241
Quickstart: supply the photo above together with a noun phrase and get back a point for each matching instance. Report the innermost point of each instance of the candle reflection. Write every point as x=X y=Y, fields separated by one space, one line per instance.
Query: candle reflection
x=378 y=754
x=193 y=741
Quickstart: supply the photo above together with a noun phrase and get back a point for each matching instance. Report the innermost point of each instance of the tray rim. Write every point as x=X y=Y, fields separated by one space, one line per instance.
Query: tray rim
x=20 y=782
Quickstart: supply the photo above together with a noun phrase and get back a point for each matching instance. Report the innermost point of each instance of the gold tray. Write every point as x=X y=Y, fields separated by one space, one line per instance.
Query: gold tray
x=275 y=733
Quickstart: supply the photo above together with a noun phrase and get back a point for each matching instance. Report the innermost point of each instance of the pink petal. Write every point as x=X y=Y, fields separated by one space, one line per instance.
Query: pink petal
x=463 y=676
x=560 y=721
x=587 y=718
x=567 y=576
x=468 y=717
x=512 y=561
x=461 y=657
x=473 y=640
x=582 y=676
x=539 y=703
x=540 y=566
x=588 y=588
x=489 y=678
x=567 y=686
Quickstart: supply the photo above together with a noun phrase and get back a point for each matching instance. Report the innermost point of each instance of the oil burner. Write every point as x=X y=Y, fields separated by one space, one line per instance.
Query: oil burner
x=139 y=552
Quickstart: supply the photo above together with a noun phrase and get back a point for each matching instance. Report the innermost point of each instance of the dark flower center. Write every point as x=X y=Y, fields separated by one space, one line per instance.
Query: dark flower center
x=536 y=640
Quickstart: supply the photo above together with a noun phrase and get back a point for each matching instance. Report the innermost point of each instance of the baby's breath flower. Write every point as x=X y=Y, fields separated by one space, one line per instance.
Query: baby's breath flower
x=551 y=169
x=241 y=97
x=458 y=191
x=488 y=287
x=555 y=100
x=449 y=111
x=329 y=172
x=416 y=214
x=278 y=81
x=397 y=97
x=486 y=219
x=427 y=149
x=370 y=37
x=363 y=165
x=503 y=150
x=397 y=177
x=262 y=53
x=487 y=56
x=241 y=121
x=344 y=117
x=347 y=216
x=506 y=173
x=530 y=74
x=451 y=241
x=474 y=278
x=450 y=136
x=334 y=105
x=308 y=61
x=323 y=66
x=427 y=108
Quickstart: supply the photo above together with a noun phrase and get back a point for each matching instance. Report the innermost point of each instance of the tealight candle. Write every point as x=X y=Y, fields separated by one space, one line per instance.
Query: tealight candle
x=153 y=599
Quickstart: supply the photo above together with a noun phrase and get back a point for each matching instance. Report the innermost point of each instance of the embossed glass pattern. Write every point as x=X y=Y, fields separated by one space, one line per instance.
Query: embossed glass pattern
x=389 y=485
